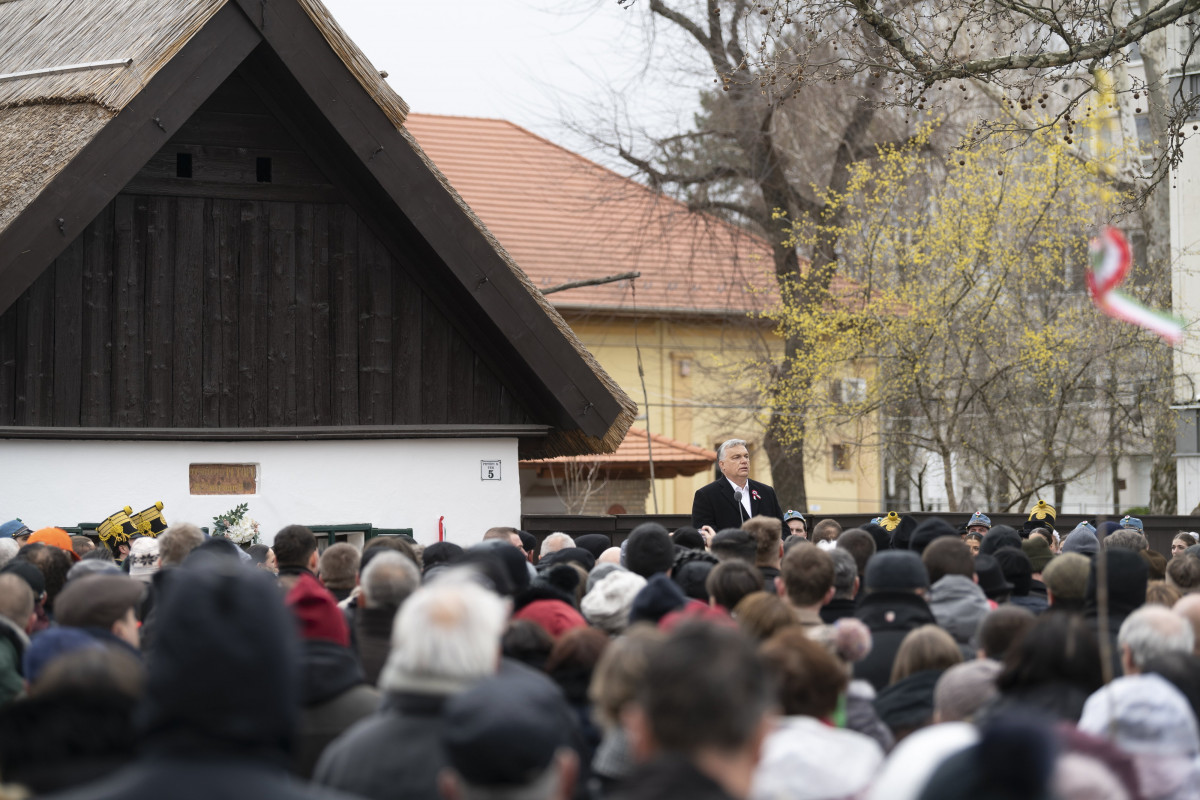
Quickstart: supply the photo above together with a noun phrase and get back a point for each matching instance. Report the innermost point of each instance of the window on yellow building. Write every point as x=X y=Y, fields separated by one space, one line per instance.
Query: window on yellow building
x=845 y=391
x=841 y=458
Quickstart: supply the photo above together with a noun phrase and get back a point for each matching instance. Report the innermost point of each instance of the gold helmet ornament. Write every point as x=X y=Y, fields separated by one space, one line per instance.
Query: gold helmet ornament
x=1043 y=513
x=117 y=529
x=150 y=521
x=888 y=523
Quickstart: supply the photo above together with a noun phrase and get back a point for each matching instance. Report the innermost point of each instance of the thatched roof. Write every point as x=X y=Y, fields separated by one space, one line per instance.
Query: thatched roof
x=67 y=108
x=112 y=49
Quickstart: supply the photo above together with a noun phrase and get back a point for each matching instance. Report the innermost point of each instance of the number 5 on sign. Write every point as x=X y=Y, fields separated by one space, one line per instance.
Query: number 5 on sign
x=490 y=470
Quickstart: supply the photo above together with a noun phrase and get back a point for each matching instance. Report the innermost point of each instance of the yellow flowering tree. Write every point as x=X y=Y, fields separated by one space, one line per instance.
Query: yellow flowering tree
x=964 y=305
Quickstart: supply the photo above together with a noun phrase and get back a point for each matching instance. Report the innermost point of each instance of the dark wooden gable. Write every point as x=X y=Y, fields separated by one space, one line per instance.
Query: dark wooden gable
x=233 y=284
x=264 y=151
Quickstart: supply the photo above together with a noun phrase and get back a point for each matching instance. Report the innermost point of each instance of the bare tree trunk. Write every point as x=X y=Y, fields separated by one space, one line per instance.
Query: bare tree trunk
x=1060 y=484
x=948 y=479
x=1114 y=464
x=1164 y=497
x=787 y=464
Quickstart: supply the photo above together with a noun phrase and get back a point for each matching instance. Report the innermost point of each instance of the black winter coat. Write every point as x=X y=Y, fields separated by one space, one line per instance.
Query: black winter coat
x=396 y=752
x=669 y=777
x=334 y=697
x=201 y=779
x=889 y=616
x=221 y=695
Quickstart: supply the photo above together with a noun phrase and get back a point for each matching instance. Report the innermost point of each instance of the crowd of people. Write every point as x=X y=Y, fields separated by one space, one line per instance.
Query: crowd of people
x=895 y=661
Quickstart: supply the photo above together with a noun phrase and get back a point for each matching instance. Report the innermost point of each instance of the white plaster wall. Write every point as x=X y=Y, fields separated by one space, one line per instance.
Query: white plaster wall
x=1185 y=268
x=1185 y=295
x=390 y=483
x=1187 y=482
x=1089 y=493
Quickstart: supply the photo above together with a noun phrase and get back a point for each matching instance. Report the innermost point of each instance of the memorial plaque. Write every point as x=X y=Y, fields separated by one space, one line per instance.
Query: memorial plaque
x=223 y=478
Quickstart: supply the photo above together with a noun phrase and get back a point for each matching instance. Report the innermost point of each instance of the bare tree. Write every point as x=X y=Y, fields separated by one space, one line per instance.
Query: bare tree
x=580 y=481
x=767 y=148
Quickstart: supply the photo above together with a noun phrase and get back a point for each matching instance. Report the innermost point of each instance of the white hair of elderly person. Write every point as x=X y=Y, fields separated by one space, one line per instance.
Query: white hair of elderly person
x=1152 y=631
x=8 y=549
x=388 y=580
x=445 y=639
x=446 y=636
x=555 y=542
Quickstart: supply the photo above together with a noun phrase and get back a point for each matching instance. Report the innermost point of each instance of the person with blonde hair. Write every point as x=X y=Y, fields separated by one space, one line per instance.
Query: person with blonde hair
x=906 y=704
x=761 y=615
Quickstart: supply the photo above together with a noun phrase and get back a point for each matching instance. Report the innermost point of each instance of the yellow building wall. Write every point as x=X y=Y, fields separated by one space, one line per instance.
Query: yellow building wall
x=690 y=396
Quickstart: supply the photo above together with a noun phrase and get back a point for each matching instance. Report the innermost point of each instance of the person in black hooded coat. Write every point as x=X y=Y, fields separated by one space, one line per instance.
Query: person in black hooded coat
x=1128 y=576
x=222 y=695
x=893 y=604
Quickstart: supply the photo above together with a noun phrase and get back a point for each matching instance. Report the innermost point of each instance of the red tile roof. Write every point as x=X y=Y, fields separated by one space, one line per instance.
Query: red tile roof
x=564 y=218
x=671 y=458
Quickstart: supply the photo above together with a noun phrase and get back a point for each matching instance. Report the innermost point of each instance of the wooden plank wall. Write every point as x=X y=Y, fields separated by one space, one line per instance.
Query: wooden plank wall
x=178 y=311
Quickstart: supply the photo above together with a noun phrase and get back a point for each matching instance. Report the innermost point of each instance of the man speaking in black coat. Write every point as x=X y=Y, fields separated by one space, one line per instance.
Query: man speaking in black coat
x=733 y=498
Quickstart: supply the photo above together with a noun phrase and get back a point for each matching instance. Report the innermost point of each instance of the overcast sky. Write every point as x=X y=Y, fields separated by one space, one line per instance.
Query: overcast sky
x=538 y=63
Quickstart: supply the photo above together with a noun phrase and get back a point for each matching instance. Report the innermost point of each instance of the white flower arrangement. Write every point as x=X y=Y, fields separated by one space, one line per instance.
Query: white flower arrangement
x=236 y=526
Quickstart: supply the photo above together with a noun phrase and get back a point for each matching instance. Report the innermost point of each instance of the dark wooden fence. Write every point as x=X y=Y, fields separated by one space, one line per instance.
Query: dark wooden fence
x=1159 y=529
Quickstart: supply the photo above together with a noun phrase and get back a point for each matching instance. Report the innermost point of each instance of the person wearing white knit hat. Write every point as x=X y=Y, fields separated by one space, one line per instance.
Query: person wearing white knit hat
x=143 y=558
x=607 y=605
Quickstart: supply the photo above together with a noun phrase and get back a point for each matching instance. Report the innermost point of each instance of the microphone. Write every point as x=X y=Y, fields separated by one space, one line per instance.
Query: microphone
x=737 y=495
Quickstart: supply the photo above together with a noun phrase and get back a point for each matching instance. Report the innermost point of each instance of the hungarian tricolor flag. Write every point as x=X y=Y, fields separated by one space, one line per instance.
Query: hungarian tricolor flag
x=1110 y=258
